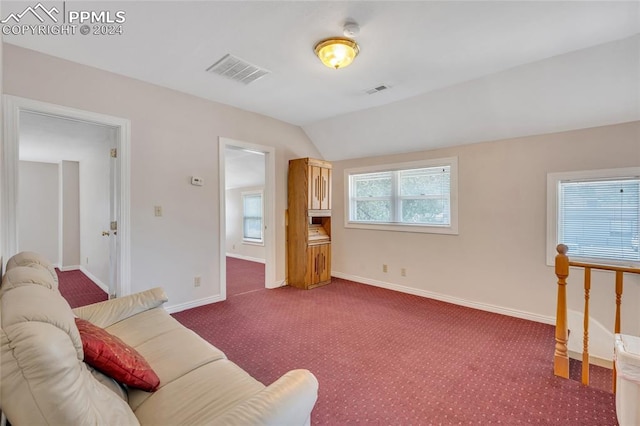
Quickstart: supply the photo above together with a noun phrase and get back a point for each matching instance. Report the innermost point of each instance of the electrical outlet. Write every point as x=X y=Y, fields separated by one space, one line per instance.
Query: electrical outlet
x=384 y=267
x=157 y=211
x=403 y=272
x=196 y=280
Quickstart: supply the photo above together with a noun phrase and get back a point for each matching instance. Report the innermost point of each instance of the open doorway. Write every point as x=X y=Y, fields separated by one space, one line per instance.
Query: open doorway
x=65 y=177
x=247 y=193
x=244 y=192
x=83 y=157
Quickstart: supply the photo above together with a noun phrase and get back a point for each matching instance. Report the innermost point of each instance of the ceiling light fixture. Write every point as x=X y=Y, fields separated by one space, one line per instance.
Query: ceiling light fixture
x=339 y=52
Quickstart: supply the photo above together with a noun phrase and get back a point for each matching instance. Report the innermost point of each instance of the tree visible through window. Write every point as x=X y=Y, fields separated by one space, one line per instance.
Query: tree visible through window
x=417 y=196
x=252 y=217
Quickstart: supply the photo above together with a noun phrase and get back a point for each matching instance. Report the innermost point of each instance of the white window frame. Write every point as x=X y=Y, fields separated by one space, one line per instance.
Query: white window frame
x=253 y=241
x=451 y=229
x=553 y=182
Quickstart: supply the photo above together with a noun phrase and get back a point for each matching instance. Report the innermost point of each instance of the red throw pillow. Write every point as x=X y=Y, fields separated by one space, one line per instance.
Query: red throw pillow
x=116 y=359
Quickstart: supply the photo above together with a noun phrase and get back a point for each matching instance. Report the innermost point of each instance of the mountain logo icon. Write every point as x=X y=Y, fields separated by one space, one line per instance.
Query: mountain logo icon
x=39 y=11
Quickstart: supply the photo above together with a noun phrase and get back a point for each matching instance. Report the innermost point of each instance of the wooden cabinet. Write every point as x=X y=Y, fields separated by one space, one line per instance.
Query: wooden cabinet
x=309 y=223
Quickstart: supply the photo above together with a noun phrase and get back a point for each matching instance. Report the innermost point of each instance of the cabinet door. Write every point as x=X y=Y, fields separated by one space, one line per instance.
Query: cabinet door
x=324 y=262
x=318 y=264
x=319 y=188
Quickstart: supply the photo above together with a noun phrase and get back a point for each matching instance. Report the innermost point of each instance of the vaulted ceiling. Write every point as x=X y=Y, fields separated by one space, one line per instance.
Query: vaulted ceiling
x=457 y=72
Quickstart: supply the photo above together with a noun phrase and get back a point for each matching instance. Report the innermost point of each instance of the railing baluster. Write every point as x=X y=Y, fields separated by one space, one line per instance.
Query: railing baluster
x=619 y=278
x=585 y=339
x=618 y=299
x=561 y=355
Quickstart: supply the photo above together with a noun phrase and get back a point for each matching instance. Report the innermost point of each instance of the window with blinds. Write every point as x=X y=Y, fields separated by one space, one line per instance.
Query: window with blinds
x=598 y=219
x=252 y=217
x=404 y=195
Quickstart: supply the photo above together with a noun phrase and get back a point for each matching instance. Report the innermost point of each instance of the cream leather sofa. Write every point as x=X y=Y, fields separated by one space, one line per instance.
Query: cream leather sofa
x=45 y=381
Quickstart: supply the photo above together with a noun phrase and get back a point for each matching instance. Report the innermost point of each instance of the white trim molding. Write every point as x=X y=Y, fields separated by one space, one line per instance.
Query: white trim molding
x=449 y=299
x=172 y=309
x=12 y=106
x=95 y=279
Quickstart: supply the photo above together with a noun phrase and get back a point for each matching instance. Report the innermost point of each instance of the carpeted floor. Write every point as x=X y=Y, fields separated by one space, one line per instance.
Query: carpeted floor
x=389 y=358
x=78 y=289
x=244 y=276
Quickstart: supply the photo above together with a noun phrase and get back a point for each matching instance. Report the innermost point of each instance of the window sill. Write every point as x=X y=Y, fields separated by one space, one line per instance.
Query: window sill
x=397 y=227
x=253 y=243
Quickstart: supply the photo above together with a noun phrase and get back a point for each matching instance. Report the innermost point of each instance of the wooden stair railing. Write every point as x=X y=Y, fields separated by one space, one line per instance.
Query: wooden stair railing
x=561 y=355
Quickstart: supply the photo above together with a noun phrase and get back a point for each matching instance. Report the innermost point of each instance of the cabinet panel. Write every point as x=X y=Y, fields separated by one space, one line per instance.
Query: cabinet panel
x=315 y=187
x=318 y=264
x=325 y=189
x=324 y=263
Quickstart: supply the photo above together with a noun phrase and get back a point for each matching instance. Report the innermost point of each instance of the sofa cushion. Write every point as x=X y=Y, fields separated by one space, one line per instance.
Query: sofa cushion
x=27 y=275
x=29 y=258
x=199 y=397
x=115 y=358
x=161 y=340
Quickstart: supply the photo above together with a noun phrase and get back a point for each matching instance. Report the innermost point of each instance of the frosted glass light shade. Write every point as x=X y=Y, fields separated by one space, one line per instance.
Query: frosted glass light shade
x=337 y=52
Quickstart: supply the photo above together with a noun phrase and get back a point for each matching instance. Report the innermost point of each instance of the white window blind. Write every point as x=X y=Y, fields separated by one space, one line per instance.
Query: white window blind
x=252 y=217
x=598 y=219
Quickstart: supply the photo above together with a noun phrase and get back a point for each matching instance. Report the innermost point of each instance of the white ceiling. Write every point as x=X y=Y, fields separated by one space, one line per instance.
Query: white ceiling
x=418 y=48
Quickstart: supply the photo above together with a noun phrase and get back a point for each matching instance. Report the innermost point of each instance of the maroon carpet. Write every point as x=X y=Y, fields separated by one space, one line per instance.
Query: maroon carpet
x=244 y=276
x=390 y=358
x=78 y=289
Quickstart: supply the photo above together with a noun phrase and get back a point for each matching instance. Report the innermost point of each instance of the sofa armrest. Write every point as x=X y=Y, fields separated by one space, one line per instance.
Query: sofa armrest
x=104 y=314
x=287 y=401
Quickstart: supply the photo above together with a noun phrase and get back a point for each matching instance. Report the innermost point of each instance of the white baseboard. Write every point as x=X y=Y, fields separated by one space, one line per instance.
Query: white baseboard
x=600 y=362
x=172 y=309
x=277 y=284
x=70 y=268
x=249 y=258
x=449 y=299
x=93 y=278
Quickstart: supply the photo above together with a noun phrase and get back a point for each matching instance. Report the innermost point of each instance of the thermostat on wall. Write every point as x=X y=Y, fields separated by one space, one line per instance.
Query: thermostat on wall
x=197 y=181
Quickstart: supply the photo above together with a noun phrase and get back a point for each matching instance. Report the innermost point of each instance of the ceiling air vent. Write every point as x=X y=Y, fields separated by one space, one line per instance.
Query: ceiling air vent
x=237 y=69
x=377 y=89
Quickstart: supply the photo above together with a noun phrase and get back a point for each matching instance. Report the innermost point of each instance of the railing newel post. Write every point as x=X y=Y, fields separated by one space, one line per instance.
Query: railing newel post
x=561 y=356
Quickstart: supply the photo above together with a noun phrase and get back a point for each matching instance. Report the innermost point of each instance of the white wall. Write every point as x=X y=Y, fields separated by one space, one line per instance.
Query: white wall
x=69 y=193
x=498 y=260
x=173 y=136
x=38 y=208
x=235 y=246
